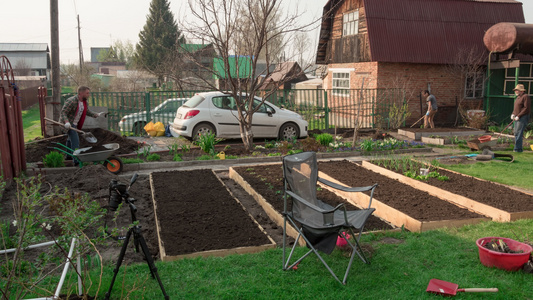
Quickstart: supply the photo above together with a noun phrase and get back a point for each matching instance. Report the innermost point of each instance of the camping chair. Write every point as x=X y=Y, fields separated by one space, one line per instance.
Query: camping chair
x=318 y=223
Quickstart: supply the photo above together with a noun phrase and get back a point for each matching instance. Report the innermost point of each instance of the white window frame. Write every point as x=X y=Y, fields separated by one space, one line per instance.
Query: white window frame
x=527 y=81
x=340 y=83
x=474 y=85
x=350 y=23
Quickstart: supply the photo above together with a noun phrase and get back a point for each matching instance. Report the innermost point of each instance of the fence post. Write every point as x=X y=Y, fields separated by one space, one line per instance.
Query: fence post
x=326 y=109
x=147 y=106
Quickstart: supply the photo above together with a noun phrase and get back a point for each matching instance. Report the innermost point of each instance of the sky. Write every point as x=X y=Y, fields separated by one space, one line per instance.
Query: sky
x=104 y=22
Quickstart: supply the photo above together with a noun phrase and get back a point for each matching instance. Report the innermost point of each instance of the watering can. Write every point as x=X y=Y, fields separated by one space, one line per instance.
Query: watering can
x=221 y=155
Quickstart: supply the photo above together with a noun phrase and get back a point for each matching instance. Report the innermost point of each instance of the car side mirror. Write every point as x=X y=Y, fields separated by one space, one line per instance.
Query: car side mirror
x=269 y=112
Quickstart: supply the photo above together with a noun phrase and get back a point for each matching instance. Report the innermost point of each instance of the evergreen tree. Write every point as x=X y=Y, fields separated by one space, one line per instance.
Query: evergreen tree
x=158 y=40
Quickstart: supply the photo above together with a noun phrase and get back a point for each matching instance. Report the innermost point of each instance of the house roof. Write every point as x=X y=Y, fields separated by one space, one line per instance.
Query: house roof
x=24 y=47
x=427 y=31
x=32 y=55
x=241 y=65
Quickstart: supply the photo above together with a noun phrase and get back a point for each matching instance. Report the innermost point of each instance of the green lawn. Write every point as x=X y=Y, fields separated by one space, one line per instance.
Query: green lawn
x=31 y=123
x=397 y=271
x=516 y=173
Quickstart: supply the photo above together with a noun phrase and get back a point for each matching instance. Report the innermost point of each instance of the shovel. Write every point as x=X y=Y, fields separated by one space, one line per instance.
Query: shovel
x=89 y=137
x=441 y=287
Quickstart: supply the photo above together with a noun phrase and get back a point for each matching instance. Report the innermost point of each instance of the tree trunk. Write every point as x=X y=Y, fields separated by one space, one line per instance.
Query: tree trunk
x=247 y=136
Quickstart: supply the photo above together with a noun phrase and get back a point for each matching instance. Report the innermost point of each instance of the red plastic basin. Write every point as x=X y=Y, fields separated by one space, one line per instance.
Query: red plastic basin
x=484 y=139
x=500 y=260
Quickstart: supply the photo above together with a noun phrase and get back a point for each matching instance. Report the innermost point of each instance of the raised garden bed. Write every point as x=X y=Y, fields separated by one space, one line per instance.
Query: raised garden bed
x=265 y=184
x=418 y=133
x=495 y=200
x=399 y=203
x=196 y=215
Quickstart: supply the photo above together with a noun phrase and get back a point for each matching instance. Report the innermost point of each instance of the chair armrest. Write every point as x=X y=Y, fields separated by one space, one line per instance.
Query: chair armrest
x=312 y=206
x=346 y=188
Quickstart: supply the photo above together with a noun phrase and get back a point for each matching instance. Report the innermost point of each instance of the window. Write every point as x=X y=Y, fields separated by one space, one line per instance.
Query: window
x=225 y=102
x=525 y=77
x=341 y=83
x=474 y=84
x=350 y=23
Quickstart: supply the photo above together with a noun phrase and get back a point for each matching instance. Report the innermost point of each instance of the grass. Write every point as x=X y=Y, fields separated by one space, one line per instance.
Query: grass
x=31 y=123
x=397 y=271
x=516 y=173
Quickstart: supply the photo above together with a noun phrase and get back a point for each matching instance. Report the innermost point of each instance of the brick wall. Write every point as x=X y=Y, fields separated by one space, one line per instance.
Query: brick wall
x=413 y=78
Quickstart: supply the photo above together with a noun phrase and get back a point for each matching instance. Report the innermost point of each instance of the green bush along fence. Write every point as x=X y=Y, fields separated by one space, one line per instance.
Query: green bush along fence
x=321 y=108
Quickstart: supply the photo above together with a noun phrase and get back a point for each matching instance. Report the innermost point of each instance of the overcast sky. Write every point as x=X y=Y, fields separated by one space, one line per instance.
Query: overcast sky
x=103 y=22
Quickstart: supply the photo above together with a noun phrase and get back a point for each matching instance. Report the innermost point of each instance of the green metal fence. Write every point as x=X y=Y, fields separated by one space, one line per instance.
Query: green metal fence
x=321 y=108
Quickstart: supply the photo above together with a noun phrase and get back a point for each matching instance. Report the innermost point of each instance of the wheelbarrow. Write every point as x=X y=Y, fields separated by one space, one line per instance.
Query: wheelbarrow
x=112 y=163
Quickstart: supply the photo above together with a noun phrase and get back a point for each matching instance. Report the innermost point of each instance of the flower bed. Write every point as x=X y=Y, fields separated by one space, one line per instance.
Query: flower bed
x=399 y=203
x=200 y=217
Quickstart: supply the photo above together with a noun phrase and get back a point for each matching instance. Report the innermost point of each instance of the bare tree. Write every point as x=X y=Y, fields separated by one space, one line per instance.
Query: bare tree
x=219 y=22
x=469 y=68
x=22 y=68
x=71 y=73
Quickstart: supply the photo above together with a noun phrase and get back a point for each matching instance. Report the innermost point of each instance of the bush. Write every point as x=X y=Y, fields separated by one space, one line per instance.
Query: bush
x=324 y=139
x=153 y=157
x=54 y=159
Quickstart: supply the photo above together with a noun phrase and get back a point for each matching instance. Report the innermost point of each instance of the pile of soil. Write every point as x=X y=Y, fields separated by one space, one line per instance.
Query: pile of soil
x=36 y=150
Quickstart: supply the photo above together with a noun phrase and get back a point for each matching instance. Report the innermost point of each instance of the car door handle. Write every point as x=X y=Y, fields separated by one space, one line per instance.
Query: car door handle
x=217 y=115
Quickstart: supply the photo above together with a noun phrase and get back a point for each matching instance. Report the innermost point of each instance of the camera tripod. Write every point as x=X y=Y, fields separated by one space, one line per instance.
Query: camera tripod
x=138 y=239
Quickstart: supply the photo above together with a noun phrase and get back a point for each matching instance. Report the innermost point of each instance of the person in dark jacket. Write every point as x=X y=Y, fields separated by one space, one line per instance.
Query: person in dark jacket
x=520 y=115
x=73 y=115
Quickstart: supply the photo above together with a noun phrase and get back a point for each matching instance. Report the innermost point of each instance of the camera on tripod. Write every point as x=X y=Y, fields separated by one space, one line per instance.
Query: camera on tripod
x=118 y=192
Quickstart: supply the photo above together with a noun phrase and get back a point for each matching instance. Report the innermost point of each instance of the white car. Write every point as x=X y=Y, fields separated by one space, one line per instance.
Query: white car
x=216 y=112
x=164 y=113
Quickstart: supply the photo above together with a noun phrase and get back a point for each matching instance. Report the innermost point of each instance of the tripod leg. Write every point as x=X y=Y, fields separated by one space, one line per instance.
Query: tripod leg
x=119 y=262
x=150 y=261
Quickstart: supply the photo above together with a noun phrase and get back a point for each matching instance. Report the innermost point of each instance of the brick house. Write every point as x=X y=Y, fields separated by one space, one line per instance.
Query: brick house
x=412 y=45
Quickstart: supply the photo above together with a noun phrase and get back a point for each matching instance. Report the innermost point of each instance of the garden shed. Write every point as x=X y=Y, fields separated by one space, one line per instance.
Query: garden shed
x=412 y=45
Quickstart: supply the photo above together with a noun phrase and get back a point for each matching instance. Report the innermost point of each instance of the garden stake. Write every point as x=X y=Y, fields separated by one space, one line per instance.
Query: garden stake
x=441 y=287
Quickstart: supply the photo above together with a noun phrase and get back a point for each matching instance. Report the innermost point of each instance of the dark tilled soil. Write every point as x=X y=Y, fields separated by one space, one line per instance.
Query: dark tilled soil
x=267 y=180
x=492 y=194
x=94 y=180
x=196 y=213
x=415 y=203
x=439 y=129
x=37 y=150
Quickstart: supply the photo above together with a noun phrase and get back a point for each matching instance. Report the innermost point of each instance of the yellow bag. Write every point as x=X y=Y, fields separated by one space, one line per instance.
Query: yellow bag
x=159 y=128
x=149 y=127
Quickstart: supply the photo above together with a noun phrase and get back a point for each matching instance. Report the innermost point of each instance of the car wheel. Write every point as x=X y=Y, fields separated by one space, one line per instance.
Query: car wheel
x=289 y=131
x=138 y=128
x=202 y=128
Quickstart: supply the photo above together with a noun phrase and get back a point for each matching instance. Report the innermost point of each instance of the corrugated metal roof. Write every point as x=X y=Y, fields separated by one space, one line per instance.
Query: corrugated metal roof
x=23 y=47
x=433 y=31
x=425 y=31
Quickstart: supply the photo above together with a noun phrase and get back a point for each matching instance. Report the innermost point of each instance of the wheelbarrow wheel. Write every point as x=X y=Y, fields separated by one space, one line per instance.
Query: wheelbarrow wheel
x=113 y=164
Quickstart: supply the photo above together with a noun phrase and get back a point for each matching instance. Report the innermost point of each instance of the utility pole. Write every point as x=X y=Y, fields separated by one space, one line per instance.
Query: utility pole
x=79 y=46
x=52 y=104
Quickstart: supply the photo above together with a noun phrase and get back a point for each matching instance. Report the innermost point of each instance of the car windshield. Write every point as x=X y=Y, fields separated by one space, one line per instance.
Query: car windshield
x=193 y=101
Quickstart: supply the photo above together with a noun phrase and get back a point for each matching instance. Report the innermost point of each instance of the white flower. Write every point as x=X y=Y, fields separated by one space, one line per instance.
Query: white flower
x=49 y=227
x=15 y=223
x=259 y=147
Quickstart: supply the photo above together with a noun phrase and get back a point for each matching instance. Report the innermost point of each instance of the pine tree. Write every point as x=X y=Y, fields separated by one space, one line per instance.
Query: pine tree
x=158 y=40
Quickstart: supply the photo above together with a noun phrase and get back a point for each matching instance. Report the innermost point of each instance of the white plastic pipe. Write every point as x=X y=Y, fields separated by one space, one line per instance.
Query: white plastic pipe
x=29 y=247
x=65 y=269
